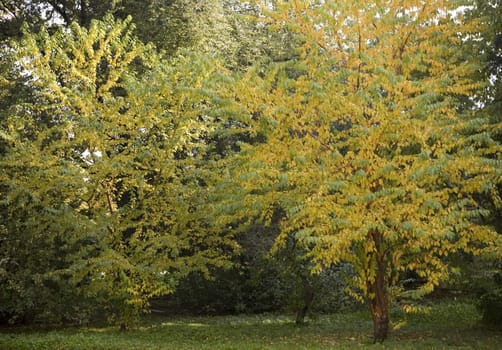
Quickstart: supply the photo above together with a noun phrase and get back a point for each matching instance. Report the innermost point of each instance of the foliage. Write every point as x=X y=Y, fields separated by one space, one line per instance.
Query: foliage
x=228 y=28
x=37 y=13
x=97 y=186
x=488 y=45
x=258 y=282
x=484 y=276
x=172 y=25
x=491 y=302
x=366 y=145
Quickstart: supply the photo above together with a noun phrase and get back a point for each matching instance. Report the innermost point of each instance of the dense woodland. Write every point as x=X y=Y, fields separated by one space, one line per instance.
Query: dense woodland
x=238 y=157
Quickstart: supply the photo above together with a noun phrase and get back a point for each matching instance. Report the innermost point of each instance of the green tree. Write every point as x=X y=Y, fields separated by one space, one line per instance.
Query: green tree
x=484 y=274
x=228 y=28
x=258 y=42
x=37 y=13
x=202 y=25
x=100 y=170
x=170 y=25
x=365 y=146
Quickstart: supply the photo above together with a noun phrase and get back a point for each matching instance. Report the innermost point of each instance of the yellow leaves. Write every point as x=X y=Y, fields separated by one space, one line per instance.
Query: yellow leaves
x=70 y=65
x=370 y=109
x=96 y=149
x=416 y=309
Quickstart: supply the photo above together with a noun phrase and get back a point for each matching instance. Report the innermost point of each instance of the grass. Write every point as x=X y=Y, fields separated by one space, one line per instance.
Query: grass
x=448 y=325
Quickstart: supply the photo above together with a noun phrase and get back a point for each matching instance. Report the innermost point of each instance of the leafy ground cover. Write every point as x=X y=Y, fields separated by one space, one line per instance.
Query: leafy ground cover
x=447 y=325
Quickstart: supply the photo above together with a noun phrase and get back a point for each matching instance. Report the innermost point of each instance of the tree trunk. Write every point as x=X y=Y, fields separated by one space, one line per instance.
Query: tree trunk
x=308 y=298
x=380 y=314
x=378 y=298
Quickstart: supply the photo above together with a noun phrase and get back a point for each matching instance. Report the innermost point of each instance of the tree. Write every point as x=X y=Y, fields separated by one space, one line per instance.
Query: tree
x=170 y=25
x=228 y=28
x=484 y=274
x=364 y=144
x=37 y=13
x=256 y=41
x=489 y=48
x=202 y=25
x=99 y=170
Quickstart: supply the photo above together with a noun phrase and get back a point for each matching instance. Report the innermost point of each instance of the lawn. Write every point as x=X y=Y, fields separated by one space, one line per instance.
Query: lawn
x=447 y=325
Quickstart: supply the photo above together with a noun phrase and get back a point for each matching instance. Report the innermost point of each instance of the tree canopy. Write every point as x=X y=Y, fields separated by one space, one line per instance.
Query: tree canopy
x=366 y=143
x=96 y=169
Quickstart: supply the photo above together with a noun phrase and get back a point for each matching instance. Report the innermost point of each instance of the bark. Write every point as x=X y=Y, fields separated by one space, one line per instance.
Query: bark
x=380 y=315
x=112 y=205
x=84 y=18
x=308 y=298
x=61 y=10
x=378 y=299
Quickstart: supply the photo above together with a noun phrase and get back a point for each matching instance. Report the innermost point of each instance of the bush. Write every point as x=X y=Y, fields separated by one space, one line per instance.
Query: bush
x=491 y=305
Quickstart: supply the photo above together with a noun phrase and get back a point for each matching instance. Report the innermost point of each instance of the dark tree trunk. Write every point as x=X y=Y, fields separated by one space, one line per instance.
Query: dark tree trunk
x=378 y=299
x=84 y=16
x=380 y=314
x=308 y=298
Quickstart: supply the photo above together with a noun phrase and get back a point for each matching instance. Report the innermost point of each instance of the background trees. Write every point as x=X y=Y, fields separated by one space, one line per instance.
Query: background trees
x=214 y=27
x=487 y=45
x=37 y=13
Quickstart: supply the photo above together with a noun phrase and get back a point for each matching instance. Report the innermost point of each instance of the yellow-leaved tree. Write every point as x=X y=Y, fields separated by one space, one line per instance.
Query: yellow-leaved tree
x=361 y=142
x=97 y=184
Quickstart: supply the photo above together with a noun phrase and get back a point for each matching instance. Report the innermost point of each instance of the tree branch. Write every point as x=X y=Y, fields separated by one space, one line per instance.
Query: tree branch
x=59 y=8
